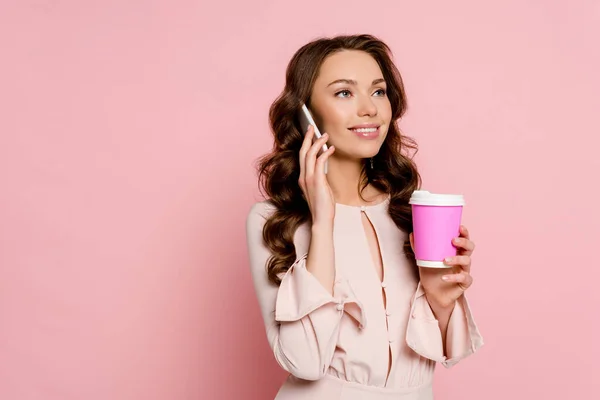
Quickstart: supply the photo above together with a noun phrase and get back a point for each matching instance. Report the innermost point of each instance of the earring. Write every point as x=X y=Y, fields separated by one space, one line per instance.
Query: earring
x=371 y=162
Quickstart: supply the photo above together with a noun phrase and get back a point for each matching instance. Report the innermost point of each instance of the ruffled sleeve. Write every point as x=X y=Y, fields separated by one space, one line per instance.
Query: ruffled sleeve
x=300 y=294
x=425 y=338
x=302 y=319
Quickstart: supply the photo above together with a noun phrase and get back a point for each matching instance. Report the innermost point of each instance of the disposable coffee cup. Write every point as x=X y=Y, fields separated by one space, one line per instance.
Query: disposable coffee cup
x=436 y=221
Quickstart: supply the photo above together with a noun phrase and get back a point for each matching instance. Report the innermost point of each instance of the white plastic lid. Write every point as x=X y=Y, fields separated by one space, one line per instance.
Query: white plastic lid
x=425 y=198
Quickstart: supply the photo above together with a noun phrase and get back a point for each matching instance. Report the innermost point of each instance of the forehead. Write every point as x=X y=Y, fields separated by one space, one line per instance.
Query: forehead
x=349 y=64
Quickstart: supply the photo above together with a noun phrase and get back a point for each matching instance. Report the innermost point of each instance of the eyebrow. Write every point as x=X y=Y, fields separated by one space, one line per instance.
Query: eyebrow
x=353 y=82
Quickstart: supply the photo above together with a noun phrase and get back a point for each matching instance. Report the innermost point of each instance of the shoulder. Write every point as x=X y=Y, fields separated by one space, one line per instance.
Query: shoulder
x=258 y=214
x=255 y=221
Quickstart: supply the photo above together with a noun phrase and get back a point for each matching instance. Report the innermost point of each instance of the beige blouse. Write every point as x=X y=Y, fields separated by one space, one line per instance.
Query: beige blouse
x=351 y=338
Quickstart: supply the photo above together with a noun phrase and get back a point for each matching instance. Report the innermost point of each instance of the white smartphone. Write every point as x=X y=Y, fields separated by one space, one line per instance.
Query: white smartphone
x=306 y=119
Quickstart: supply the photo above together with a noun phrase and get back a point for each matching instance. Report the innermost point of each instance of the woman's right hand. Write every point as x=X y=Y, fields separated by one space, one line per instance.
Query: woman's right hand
x=313 y=180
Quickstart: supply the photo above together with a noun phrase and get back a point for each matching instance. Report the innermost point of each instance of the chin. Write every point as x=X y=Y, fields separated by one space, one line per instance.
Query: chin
x=371 y=149
x=360 y=149
x=364 y=153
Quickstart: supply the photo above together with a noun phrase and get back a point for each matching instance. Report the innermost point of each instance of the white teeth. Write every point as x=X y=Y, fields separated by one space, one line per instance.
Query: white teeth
x=365 y=130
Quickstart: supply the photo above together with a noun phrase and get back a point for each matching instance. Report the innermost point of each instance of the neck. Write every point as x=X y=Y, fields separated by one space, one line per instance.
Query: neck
x=343 y=176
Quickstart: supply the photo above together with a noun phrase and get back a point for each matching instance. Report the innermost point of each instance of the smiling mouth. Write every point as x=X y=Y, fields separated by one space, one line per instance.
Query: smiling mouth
x=364 y=130
x=366 y=133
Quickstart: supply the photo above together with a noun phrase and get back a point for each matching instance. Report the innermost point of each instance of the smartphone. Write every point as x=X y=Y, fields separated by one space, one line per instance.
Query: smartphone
x=306 y=119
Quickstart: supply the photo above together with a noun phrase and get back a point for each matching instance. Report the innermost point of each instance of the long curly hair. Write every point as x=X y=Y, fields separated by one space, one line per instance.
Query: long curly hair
x=393 y=172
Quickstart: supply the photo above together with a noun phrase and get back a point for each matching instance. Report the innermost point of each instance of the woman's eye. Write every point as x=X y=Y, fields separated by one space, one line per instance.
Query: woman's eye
x=382 y=91
x=345 y=93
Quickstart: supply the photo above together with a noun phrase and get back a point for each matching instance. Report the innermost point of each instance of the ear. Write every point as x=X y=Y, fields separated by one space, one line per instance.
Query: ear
x=412 y=241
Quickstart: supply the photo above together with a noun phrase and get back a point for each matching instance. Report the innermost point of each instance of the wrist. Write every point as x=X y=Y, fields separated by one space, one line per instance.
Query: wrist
x=322 y=227
x=440 y=305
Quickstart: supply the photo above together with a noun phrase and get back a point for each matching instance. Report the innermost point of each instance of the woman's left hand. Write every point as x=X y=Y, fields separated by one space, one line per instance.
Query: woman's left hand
x=443 y=286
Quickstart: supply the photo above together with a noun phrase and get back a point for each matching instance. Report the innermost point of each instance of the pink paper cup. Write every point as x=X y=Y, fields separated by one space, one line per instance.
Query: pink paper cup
x=436 y=221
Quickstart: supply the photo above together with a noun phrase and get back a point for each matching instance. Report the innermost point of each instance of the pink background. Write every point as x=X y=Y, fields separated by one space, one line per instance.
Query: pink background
x=128 y=130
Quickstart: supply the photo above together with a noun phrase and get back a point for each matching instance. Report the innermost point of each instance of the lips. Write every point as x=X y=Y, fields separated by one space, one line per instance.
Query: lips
x=366 y=131
x=365 y=126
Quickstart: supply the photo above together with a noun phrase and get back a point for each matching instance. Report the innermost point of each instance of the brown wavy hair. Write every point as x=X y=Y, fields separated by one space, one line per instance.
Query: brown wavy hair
x=394 y=171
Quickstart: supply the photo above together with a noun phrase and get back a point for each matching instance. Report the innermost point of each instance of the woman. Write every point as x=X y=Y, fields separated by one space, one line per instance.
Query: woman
x=347 y=311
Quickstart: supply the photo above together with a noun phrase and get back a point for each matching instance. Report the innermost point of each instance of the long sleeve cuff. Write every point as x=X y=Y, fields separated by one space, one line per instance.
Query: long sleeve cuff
x=301 y=293
x=425 y=338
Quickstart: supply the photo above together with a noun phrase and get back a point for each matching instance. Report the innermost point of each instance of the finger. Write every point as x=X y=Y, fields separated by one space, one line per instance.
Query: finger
x=321 y=160
x=465 y=244
x=306 y=143
x=464 y=231
x=311 y=156
x=464 y=279
x=411 y=238
x=463 y=261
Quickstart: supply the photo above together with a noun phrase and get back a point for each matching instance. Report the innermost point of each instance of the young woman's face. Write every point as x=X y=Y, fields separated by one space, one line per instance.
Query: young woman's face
x=349 y=102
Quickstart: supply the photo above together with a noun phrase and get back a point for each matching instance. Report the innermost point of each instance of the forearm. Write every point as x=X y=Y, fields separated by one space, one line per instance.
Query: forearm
x=321 y=260
x=442 y=314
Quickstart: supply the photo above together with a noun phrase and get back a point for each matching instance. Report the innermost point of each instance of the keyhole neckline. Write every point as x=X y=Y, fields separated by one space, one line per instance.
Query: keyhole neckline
x=365 y=207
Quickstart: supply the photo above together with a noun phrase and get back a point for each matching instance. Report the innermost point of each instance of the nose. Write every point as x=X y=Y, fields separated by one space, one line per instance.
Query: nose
x=366 y=106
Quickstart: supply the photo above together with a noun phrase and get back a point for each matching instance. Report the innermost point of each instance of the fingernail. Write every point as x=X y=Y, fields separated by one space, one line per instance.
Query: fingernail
x=445 y=277
x=448 y=260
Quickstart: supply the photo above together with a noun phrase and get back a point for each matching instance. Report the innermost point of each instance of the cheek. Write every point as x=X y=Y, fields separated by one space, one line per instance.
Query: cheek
x=335 y=119
x=386 y=111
